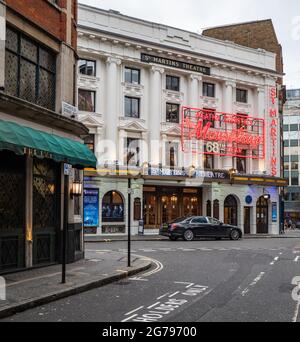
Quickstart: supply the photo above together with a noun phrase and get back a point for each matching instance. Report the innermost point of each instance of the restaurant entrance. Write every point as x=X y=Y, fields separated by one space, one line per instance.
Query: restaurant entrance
x=166 y=204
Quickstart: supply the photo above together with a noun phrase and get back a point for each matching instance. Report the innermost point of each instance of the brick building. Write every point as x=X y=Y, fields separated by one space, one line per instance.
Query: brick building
x=39 y=133
x=256 y=34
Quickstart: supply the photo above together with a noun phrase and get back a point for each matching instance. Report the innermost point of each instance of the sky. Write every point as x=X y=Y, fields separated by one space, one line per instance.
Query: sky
x=195 y=15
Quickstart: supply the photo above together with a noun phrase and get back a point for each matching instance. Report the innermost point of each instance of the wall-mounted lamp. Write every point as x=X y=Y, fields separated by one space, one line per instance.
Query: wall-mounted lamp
x=266 y=195
x=76 y=189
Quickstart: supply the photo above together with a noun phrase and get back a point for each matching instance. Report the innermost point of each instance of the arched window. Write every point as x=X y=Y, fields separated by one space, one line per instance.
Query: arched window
x=216 y=209
x=113 y=207
x=230 y=211
x=208 y=208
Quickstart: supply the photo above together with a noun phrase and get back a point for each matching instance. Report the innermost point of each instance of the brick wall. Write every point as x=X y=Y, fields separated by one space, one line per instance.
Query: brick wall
x=259 y=34
x=51 y=18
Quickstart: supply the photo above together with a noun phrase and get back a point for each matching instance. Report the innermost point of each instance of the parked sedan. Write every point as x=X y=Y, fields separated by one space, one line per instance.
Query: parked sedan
x=189 y=228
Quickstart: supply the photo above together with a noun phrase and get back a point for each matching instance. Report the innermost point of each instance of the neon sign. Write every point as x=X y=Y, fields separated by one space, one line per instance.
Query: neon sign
x=273 y=114
x=222 y=134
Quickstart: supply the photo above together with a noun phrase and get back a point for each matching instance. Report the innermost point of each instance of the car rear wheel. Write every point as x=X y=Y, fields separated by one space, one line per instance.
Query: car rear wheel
x=189 y=235
x=235 y=235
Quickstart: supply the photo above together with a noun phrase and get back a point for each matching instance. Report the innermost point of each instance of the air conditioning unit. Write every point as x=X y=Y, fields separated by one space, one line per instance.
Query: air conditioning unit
x=69 y=111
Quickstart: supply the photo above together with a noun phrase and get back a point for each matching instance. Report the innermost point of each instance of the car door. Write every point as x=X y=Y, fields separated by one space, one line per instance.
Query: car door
x=199 y=225
x=217 y=229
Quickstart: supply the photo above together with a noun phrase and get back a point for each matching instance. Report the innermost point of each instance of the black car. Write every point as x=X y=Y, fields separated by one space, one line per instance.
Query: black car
x=189 y=228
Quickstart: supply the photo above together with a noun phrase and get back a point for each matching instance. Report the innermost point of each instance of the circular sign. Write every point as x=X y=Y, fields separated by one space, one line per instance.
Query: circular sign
x=249 y=199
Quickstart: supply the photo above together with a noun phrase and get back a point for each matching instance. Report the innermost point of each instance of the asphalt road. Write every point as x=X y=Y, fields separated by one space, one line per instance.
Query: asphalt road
x=202 y=281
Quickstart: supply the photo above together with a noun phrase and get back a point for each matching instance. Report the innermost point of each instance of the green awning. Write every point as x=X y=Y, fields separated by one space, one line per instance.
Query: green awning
x=17 y=138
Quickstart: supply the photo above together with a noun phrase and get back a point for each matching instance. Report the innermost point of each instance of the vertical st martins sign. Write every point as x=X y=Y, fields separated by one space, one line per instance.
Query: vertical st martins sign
x=273 y=129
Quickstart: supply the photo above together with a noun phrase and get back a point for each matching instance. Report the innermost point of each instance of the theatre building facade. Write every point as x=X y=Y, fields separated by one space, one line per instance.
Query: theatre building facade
x=37 y=65
x=192 y=120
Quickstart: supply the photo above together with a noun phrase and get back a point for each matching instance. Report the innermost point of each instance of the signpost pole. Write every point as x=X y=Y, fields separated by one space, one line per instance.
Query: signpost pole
x=65 y=228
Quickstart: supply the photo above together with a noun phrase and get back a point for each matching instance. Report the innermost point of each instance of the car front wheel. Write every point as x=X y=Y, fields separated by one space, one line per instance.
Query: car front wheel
x=235 y=235
x=189 y=235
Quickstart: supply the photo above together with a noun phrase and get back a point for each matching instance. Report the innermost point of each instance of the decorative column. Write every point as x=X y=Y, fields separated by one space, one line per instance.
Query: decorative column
x=228 y=108
x=112 y=109
x=121 y=151
x=155 y=115
x=194 y=81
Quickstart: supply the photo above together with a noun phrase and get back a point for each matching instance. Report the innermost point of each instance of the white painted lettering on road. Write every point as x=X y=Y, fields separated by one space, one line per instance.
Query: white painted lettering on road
x=160 y=310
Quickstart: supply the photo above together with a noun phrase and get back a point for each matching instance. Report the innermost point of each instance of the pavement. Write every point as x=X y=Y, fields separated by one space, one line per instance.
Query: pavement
x=29 y=289
x=251 y=280
x=154 y=238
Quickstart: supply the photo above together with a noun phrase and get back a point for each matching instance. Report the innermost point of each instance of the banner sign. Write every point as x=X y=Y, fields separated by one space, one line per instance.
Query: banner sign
x=91 y=208
x=273 y=129
x=175 y=64
x=164 y=172
x=222 y=134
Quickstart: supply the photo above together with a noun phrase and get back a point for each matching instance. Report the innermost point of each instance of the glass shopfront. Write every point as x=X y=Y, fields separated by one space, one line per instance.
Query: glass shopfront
x=166 y=204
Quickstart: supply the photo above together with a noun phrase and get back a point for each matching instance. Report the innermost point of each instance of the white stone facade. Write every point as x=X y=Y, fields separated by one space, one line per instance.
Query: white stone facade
x=116 y=42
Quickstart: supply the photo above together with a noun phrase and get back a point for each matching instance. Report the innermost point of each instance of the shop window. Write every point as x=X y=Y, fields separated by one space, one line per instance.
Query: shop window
x=113 y=207
x=208 y=209
x=137 y=209
x=86 y=100
x=173 y=114
x=87 y=67
x=209 y=89
x=216 y=209
x=173 y=83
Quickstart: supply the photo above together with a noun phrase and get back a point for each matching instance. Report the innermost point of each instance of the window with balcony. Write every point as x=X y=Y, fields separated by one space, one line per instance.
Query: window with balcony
x=173 y=113
x=132 y=152
x=172 y=154
x=209 y=89
x=132 y=76
x=87 y=67
x=132 y=107
x=173 y=83
x=30 y=70
x=242 y=96
x=241 y=163
x=86 y=100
